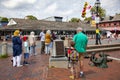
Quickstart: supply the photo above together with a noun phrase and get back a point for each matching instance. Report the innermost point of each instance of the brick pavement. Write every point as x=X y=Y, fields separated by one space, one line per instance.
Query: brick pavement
x=91 y=73
x=38 y=70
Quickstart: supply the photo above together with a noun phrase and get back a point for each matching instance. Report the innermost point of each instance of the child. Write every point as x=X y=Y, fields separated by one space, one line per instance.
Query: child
x=73 y=57
x=26 y=50
x=68 y=54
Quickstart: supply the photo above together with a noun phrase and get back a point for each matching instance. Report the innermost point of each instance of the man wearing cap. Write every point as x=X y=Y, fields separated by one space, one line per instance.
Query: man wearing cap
x=80 y=40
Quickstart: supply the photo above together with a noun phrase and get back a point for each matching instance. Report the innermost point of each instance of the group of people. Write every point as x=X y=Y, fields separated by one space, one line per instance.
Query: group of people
x=27 y=44
x=22 y=44
x=109 y=35
x=46 y=39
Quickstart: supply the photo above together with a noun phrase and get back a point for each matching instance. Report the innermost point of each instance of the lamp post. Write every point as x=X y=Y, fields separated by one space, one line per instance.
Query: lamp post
x=97 y=5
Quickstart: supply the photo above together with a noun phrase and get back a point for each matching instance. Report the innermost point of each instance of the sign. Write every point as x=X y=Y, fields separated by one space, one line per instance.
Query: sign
x=58 y=48
x=93 y=23
x=97 y=19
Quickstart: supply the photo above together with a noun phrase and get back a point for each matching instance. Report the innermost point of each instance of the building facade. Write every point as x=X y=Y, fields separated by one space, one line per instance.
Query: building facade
x=59 y=28
x=111 y=24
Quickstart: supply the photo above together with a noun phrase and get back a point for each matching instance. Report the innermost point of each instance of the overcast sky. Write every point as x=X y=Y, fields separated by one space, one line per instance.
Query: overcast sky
x=46 y=8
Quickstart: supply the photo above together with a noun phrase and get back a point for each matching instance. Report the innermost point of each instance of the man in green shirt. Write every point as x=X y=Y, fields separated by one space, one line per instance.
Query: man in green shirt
x=80 y=40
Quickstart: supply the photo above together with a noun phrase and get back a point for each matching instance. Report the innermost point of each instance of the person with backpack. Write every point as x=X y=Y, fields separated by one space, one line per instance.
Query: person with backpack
x=99 y=38
x=72 y=61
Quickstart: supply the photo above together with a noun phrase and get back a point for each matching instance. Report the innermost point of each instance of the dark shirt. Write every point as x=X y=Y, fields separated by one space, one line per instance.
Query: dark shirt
x=17 y=46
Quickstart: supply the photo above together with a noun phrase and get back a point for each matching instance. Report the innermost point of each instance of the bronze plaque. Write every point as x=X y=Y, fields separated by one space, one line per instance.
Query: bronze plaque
x=59 y=48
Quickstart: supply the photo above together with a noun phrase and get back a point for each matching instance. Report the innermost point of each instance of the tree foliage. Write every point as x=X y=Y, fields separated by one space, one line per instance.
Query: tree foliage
x=101 y=11
x=31 y=17
x=88 y=19
x=75 y=20
x=4 y=19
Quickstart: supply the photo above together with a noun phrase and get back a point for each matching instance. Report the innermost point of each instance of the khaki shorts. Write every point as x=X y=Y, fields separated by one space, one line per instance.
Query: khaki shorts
x=81 y=56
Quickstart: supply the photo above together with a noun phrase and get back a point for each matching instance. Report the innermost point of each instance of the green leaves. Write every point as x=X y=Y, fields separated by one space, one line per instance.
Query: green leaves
x=4 y=19
x=75 y=20
x=31 y=17
x=101 y=11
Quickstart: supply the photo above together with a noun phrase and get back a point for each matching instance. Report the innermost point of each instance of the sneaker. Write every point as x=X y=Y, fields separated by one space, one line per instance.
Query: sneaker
x=27 y=63
x=81 y=75
x=14 y=65
x=20 y=66
x=71 y=77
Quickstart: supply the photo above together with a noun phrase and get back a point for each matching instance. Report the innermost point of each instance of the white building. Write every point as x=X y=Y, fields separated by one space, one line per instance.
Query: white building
x=54 y=18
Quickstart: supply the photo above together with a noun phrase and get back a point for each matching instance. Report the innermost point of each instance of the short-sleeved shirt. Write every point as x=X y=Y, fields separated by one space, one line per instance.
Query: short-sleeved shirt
x=81 y=41
x=26 y=47
x=42 y=36
x=97 y=31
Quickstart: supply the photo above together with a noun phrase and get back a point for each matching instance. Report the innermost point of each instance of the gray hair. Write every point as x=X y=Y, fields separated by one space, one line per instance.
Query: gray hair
x=32 y=33
x=79 y=29
x=48 y=31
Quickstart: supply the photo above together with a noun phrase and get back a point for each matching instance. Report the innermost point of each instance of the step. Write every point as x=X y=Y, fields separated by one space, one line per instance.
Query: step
x=102 y=49
x=104 y=45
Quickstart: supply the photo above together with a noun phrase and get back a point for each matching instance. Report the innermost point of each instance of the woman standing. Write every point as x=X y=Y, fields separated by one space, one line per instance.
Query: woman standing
x=32 y=43
x=17 y=49
x=47 y=41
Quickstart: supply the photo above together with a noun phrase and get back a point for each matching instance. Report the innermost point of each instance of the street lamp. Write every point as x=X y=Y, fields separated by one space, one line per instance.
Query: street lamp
x=97 y=5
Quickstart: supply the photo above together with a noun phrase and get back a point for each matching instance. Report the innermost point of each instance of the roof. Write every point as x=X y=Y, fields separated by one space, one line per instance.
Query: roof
x=51 y=25
x=115 y=18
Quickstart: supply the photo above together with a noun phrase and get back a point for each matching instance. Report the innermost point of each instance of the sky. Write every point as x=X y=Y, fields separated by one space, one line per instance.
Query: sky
x=47 y=8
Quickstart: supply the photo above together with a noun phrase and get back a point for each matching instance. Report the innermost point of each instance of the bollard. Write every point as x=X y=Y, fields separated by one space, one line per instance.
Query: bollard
x=4 y=47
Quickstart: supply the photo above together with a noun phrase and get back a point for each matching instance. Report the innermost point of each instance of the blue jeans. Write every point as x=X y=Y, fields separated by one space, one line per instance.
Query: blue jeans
x=32 y=50
x=47 y=48
x=26 y=55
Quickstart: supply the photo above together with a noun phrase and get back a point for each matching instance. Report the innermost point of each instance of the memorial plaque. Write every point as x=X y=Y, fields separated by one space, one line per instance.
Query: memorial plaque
x=58 y=58
x=58 y=48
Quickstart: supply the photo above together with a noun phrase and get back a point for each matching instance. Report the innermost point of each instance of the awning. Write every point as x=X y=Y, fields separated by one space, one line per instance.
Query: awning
x=112 y=28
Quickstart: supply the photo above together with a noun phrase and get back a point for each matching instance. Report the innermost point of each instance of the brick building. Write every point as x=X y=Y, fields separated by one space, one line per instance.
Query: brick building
x=111 y=23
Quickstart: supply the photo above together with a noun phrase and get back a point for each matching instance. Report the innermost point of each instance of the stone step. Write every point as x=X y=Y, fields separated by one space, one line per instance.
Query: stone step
x=103 y=46
x=102 y=49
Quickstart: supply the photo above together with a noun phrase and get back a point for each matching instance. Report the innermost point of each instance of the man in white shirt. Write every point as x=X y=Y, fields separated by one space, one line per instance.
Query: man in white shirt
x=42 y=39
x=109 y=36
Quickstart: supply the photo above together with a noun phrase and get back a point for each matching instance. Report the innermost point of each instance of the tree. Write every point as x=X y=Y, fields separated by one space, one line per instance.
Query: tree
x=4 y=19
x=31 y=17
x=101 y=11
x=75 y=20
x=88 y=19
